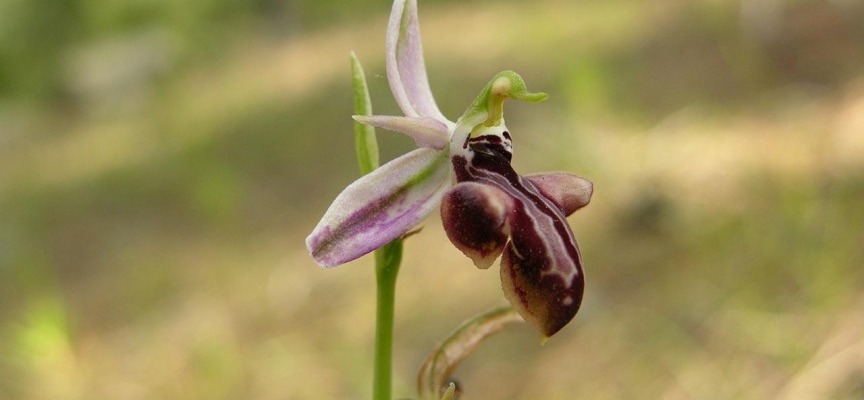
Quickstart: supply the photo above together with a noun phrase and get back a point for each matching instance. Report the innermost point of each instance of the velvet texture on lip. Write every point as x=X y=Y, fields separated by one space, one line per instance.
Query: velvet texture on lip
x=488 y=210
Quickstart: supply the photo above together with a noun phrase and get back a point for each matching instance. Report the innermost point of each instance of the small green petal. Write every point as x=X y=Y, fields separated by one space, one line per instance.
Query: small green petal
x=365 y=141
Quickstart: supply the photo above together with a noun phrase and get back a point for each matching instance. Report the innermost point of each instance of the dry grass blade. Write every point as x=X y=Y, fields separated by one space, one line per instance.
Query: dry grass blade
x=459 y=345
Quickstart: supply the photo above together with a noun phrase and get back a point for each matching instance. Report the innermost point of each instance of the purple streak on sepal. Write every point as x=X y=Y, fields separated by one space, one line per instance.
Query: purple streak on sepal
x=379 y=207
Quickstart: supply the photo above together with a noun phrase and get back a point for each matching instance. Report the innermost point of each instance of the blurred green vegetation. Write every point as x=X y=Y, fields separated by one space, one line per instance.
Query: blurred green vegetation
x=161 y=163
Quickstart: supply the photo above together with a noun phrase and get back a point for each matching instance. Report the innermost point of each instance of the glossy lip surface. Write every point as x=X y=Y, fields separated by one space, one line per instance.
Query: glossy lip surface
x=542 y=262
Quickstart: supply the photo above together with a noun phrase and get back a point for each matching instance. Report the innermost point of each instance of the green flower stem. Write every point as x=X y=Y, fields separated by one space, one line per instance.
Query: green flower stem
x=387 y=261
x=387 y=258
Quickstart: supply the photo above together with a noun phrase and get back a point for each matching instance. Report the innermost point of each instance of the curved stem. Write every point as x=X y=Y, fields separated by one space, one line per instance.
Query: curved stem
x=387 y=261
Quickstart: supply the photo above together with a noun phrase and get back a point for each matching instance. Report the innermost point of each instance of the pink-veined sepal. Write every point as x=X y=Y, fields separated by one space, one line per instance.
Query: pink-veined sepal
x=379 y=207
x=406 y=69
x=426 y=132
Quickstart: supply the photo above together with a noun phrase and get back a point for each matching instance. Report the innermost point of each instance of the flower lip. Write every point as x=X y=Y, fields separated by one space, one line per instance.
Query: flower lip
x=541 y=271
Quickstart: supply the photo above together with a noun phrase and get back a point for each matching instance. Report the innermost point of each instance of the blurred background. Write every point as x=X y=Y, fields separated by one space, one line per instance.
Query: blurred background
x=162 y=161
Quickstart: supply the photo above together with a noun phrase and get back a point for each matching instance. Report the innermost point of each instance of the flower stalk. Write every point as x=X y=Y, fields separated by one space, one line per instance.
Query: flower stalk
x=387 y=262
x=389 y=257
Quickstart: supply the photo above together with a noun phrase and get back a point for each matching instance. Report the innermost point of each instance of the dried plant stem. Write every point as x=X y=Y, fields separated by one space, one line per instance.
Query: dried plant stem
x=460 y=344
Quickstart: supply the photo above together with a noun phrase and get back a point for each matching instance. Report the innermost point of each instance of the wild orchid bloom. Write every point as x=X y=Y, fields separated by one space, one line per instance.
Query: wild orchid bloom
x=464 y=167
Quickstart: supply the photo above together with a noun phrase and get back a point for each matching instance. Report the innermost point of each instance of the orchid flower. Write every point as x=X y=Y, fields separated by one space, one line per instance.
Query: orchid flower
x=463 y=167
